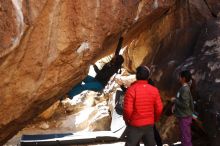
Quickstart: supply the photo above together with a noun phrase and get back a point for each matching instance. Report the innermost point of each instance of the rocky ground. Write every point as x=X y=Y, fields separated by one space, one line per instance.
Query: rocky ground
x=92 y=111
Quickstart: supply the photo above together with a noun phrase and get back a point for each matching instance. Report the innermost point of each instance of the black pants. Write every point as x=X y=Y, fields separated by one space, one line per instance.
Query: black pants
x=136 y=134
x=157 y=137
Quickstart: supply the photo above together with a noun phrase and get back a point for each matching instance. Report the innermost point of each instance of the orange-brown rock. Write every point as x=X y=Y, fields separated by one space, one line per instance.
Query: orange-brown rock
x=46 y=47
x=181 y=39
x=48 y=113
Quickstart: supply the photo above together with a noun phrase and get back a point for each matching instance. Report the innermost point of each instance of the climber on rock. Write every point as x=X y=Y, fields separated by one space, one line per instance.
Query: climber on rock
x=103 y=75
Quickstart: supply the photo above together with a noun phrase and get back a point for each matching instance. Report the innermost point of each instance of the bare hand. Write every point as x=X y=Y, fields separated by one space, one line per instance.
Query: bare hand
x=119 y=82
x=173 y=99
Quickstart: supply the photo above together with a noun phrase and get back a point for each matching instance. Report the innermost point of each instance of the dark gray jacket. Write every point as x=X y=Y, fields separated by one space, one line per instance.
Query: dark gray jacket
x=184 y=102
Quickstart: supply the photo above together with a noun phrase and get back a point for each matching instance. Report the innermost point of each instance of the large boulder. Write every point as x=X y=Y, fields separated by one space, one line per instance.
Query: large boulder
x=182 y=38
x=205 y=66
x=46 y=47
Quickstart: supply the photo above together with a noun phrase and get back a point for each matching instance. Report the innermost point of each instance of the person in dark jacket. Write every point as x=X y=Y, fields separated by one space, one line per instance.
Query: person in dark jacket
x=184 y=108
x=142 y=108
x=101 y=79
x=102 y=76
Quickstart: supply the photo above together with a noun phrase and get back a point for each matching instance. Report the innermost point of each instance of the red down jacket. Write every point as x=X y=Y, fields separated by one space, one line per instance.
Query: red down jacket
x=142 y=104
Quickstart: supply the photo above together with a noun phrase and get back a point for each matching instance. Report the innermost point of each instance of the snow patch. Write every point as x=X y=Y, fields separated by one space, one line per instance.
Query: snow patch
x=83 y=47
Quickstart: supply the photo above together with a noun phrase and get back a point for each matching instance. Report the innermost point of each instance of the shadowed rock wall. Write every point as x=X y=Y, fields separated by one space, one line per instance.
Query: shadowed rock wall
x=46 y=47
x=185 y=36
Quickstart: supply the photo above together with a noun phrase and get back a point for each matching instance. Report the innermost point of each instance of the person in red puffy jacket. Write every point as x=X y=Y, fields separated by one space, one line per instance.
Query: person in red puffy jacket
x=142 y=108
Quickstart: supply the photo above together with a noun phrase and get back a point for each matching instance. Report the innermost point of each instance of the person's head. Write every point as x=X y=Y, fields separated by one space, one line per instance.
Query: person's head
x=118 y=60
x=185 y=76
x=142 y=73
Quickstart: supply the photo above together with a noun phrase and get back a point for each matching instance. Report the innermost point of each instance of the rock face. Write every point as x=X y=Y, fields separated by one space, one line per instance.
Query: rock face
x=46 y=47
x=181 y=39
x=214 y=7
x=205 y=66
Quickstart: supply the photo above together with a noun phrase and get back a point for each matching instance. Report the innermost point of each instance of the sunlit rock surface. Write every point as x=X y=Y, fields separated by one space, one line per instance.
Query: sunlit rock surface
x=48 y=113
x=91 y=112
x=46 y=46
x=175 y=40
x=87 y=112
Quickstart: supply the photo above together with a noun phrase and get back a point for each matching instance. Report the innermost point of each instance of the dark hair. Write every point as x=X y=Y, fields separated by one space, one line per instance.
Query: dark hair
x=119 y=60
x=142 y=73
x=186 y=74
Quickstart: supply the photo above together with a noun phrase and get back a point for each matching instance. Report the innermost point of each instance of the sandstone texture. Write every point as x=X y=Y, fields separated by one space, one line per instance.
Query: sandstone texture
x=46 y=47
x=185 y=36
